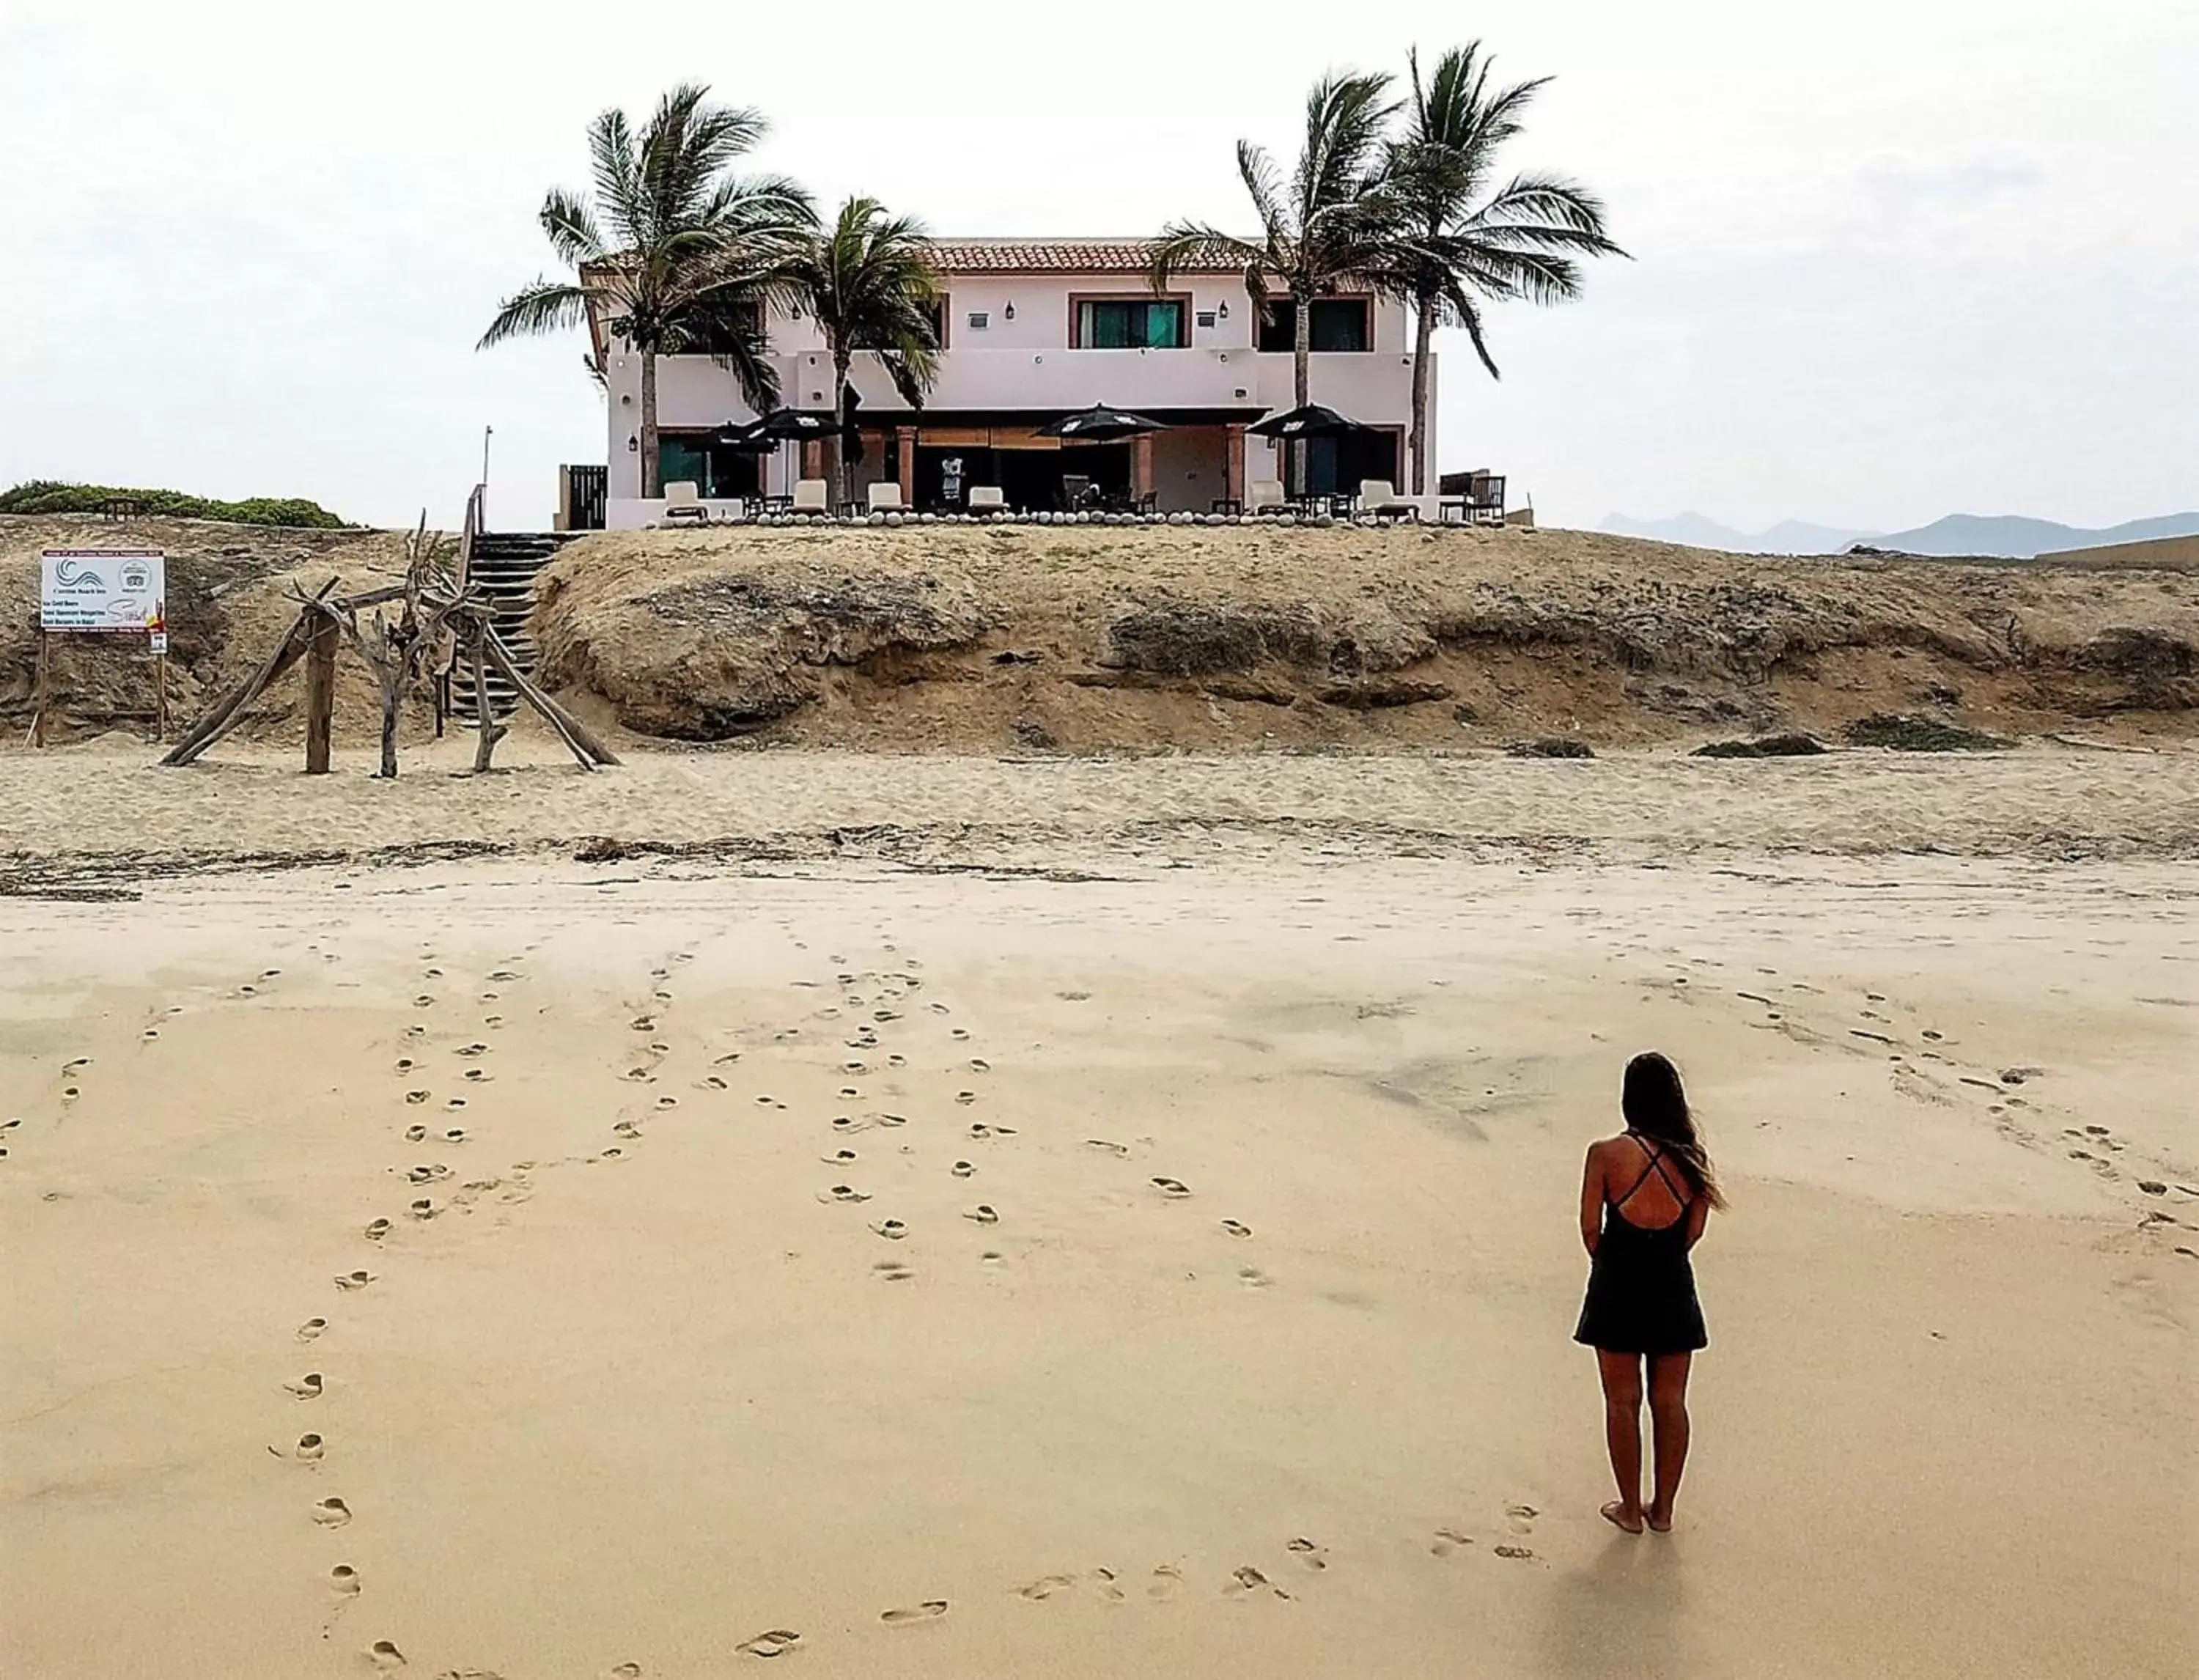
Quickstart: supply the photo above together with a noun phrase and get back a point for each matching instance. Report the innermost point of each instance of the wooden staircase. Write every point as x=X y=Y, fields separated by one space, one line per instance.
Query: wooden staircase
x=501 y=565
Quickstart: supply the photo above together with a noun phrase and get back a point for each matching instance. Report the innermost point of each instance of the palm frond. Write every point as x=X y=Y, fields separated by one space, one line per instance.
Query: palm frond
x=1183 y=242
x=544 y=306
x=618 y=177
x=571 y=226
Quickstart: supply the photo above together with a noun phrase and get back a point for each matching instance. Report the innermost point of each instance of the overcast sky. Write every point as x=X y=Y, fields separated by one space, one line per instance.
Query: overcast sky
x=1893 y=258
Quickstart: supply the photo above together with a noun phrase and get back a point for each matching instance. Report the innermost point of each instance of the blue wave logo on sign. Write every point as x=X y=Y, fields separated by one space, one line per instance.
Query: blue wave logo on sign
x=71 y=575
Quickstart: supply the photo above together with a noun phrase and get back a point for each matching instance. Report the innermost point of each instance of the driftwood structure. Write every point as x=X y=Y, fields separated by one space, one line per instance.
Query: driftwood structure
x=436 y=614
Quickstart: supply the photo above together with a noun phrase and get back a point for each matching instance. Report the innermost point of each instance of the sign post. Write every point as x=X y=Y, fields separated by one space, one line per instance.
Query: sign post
x=102 y=591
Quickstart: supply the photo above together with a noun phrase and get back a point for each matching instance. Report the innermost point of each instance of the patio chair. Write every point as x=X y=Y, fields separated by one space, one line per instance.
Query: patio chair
x=987 y=499
x=811 y=495
x=1076 y=493
x=682 y=504
x=1265 y=495
x=886 y=498
x=1378 y=499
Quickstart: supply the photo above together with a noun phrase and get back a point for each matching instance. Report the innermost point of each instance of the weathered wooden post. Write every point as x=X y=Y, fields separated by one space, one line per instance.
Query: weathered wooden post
x=321 y=691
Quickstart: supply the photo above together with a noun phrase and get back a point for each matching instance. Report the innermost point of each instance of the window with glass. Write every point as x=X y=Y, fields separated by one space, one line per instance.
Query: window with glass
x=1130 y=323
x=1338 y=324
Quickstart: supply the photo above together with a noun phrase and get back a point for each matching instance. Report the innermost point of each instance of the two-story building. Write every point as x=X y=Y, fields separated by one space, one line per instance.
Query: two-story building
x=1031 y=330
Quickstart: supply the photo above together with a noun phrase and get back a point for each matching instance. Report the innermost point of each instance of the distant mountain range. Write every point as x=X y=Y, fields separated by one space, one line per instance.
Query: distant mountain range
x=2007 y=535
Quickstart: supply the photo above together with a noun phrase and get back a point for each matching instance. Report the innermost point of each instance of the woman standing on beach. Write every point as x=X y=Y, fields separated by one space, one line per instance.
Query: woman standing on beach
x=1645 y=1197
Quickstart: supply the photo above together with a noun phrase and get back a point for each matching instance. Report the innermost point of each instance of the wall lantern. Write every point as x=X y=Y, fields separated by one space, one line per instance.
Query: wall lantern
x=633 y=445
x=1008 y=311
x=1222 y=309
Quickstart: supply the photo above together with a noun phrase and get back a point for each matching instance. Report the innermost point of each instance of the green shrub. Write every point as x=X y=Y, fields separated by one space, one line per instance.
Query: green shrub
x=1764 y=746
x=1904 y=733
x=46 y=495
x=1550 y=746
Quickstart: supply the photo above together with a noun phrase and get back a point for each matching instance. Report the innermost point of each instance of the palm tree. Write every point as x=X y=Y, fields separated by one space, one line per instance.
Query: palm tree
x=1456 y=242
x=870 y=282
x=1328 y=222
x=692 y=246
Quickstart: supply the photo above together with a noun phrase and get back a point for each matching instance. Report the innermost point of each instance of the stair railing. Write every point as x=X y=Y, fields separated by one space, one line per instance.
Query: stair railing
x=477 y=522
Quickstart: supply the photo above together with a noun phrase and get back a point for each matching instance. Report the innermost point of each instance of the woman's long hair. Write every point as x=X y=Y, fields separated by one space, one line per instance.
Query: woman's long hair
x=1656 y=1105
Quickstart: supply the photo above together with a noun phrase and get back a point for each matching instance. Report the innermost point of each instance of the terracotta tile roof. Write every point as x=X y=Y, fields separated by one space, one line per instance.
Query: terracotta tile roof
x=1058 y=256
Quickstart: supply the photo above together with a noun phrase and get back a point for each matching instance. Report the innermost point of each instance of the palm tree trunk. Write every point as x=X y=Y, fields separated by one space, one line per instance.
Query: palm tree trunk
x=652 y=468
x=1301 y=376
x=1423 y=331
x=843 y=471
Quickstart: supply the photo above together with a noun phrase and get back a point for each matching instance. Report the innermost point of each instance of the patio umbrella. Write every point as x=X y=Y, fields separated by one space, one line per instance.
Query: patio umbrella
x=1100 y=424
x=1313 y=421
x=741 y=436
x=794 y=422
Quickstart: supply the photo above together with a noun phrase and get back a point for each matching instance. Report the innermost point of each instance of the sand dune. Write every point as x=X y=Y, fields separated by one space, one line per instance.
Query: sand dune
x=536 y=1269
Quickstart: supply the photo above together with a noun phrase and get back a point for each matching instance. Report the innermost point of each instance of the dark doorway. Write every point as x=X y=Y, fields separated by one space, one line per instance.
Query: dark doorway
x=1337 y=466
x=718 y=471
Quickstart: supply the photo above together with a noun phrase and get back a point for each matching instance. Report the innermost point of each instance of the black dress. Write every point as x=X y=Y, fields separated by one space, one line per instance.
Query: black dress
x=1640 y=1285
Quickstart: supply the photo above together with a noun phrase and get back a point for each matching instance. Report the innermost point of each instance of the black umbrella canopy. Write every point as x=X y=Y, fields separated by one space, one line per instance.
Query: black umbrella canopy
x=1100 y=424
x=794 y=422
x=1313 y=421
x=742 y=437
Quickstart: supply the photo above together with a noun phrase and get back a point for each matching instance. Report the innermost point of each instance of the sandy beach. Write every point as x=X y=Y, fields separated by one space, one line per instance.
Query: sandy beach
x=1119 y=1221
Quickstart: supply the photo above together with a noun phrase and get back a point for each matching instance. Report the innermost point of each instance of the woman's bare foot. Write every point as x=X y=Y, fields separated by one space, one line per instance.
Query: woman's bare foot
x=1661 y=1522
x=1619 y=1514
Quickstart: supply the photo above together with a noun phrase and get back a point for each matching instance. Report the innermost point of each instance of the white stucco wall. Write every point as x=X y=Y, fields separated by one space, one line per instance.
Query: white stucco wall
x=1026 y=365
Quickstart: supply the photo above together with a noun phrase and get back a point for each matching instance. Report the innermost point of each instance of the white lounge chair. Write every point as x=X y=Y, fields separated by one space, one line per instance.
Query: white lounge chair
x=682 y=503
x=1265 y=495
x=1378 y=499
x=886 y=498
x=986 y=500
x=811 y=495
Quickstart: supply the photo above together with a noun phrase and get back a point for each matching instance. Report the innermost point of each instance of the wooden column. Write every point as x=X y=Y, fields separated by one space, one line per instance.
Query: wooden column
x=1141 y=466
x=1233 y=470
x=812 y=459
x=41 y=689
x=905 y=451
x=320 y=692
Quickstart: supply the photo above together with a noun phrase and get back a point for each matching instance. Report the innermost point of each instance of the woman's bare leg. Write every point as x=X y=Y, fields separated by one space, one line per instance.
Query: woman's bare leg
x=1668 y=1417
x=1622 y=1433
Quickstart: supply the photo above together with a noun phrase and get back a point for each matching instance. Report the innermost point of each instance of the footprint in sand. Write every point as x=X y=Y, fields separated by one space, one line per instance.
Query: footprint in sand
x=331 y=1512
x=311 y=1328
x=839 y=1157
x=1236 y=1227
x=1520 y=1519
x=383 y=1653
x=893 y=1230
x=979 y=1064
x=307 y=1387
x=1174 y=1188
x=1247 y=1579
x=417 y=1030
x=1167 y=1582
x=455 y=1103
x=983 y=1214
x=764 y=1101
x=377 y=1229
x=353 y=1280
x=479 y=1075
x=962 y=1169
x=845 y=1192
x=429 y=1174
x=344 y=1579
x=1313 y=1556
x=710 y=1082
x=626 y=1129
x=1515 y=1552
x=424 y=1001
x=892 y=1271
x=890 y=1119
x=416 y=1097
x=1253 y=1277
x=961 y=1035
x=965 y=1098
x=422 y=1208
x=771 y=1643
x=455 y=1134
x=632 y=1671
x=310 y=1449
x=930 y=1610
x=1111 y=1148
x=1045 y=1587
x=1449 y=1540
x=668 y=1102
